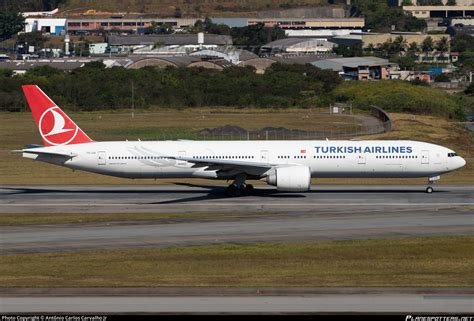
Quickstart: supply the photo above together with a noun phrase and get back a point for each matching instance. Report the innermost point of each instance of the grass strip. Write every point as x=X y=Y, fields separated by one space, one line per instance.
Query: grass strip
x=397 y=262
x=10 y=219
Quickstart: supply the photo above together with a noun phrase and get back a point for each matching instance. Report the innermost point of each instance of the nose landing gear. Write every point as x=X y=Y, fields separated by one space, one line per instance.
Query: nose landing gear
x=431 y=181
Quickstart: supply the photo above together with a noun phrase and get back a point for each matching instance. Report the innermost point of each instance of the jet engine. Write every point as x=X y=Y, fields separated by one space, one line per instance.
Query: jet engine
x=291 y=178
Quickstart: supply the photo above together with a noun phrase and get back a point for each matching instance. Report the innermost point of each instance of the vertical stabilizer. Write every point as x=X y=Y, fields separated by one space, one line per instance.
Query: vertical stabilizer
x=55 y=127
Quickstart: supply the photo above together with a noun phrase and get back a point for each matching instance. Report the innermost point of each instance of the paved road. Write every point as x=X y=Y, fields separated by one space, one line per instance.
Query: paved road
x=395 y=303
x=335 y=212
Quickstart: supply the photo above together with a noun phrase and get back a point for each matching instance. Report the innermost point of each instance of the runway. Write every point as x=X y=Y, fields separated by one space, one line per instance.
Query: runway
x=188 y=197
x=325 y=213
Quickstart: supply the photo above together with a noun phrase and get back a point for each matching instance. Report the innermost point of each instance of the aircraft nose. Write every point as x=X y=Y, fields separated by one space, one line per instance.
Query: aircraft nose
x=462 y=162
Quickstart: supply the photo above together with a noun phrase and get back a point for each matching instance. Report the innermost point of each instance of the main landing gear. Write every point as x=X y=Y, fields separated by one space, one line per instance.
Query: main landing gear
x=239 y=188
x=234 y=190
x=431 y=181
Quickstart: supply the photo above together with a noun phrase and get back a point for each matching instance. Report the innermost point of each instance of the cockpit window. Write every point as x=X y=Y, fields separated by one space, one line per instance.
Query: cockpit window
x=452 y=154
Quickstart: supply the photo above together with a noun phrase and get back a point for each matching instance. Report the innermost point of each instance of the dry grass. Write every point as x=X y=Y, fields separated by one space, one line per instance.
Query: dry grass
x=195 y=8
x=7 y=219
x=408 y=262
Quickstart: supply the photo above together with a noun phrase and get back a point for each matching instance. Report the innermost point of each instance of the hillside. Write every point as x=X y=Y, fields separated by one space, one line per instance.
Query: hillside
x=195 y=8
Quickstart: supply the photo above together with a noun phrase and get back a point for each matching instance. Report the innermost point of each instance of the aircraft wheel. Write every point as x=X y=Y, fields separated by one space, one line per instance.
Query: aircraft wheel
x=232 y=190
x=429 y=190
x=248 y=189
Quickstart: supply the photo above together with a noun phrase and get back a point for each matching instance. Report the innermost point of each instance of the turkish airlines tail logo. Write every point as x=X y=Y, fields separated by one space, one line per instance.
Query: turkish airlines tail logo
x=55 y=127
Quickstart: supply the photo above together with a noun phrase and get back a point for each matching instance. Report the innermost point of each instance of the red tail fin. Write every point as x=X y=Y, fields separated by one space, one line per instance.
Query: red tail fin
x=55 y=127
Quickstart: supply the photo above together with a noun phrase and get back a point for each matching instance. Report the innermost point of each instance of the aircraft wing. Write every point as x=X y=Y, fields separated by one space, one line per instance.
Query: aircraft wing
x=228 y=165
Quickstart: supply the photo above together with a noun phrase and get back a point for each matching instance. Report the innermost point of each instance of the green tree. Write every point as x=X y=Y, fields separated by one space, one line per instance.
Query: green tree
x=462 y=42
x=442 y=78
x=413 y=48
x=198 y=27
x=44 y=71
x=470 y=89
x=354 y=50
x=442 y=44
x=451 y=3
x=152 y=28
x=430 y=2
x=405 y=62
x=399 y=44
x=10 y=24
x=35 y=39
x=255 y=36
x=5 y=73
x=427 y=44
x=380 y=17
x=370 y=49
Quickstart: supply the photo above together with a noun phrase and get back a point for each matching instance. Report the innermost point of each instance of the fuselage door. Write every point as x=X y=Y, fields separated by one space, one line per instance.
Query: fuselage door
x=361 y=159
x=264 y=156
x=101 y=158
x=181 y=163
x=425 y=156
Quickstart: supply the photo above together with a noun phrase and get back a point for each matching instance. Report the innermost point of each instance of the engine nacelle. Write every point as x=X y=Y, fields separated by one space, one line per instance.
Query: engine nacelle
x=291 y=178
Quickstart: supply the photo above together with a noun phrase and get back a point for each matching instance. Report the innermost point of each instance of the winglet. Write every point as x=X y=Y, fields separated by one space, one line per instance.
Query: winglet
x=55 y=127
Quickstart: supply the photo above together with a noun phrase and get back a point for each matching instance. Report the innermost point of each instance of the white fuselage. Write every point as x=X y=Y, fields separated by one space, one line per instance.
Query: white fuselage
x=345 y=158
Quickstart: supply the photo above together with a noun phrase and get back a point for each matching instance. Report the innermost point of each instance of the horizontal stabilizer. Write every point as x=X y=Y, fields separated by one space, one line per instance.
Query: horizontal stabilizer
x=46 y=153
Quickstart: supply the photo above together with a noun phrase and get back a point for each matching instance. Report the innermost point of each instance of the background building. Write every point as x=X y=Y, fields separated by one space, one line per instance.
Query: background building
x=425 y=12
x=166 y=44
x=298 y=46
x=359 y=68
x=52 y=26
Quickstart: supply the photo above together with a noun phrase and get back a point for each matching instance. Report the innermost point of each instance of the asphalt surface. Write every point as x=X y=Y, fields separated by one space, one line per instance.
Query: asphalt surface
x=237 y=300
x=401 y=303
x=325 y=213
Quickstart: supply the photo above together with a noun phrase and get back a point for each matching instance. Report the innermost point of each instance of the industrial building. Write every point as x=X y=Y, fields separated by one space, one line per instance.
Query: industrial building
x=232 y=55
x=298 y=45
x=180 y=61
x=313 y=27
x=425 y=12
x=21 y=67
x=262 y=63
x=359 y=68
x=293 y=27
x=52 y=26
x=166 y=44
x=127 y=25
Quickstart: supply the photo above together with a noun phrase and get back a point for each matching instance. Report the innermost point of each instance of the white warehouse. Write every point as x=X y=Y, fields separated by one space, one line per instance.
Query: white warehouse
x=298 y=45
x=53 y=26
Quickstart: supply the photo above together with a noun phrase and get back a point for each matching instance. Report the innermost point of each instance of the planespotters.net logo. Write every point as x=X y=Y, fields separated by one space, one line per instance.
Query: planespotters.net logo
x=438 y=318
x=56 y=128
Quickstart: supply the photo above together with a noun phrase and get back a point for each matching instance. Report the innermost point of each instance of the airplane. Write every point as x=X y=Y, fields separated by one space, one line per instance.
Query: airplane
x=288 y=165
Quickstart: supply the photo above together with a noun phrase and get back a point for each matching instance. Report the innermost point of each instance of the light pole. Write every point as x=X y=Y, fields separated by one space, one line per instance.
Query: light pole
x=133 y=102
